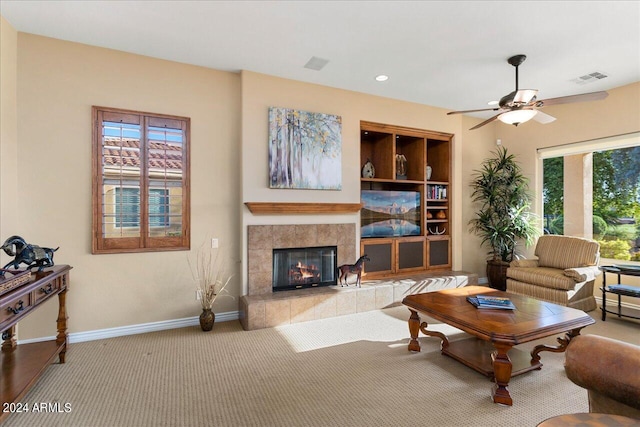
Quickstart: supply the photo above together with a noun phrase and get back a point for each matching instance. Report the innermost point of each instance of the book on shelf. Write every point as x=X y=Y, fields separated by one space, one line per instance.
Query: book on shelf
x=485 y=301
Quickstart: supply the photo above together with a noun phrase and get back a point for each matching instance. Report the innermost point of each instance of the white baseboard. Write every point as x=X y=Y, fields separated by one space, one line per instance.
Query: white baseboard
x=614 y=303
x=135 y=329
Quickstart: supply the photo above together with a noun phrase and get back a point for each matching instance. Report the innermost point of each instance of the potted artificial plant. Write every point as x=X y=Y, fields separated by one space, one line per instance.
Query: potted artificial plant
x=503 y=219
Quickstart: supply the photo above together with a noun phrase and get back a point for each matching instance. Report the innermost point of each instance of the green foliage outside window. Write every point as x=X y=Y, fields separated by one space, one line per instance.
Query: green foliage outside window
x=599 y=227
x=616 y=199
x=615 y=249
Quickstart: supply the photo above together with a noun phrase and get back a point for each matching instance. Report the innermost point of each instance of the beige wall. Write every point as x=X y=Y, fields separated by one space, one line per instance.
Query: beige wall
x=260 y=91
x=481 y=142
x=57 y=85
x=8 y=131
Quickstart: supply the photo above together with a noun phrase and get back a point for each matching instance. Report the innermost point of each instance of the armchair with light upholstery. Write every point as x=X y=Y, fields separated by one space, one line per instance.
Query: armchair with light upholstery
x=608 y=369
x=563 y=273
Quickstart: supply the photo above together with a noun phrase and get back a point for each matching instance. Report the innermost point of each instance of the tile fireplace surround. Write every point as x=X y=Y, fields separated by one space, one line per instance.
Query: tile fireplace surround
x=262 y=308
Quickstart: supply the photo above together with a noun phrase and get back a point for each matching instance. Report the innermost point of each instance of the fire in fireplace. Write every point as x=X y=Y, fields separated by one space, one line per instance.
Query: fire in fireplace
x=296 y=268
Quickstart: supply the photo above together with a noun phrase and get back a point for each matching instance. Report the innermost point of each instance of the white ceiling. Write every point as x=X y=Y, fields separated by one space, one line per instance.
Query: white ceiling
x=440 y=53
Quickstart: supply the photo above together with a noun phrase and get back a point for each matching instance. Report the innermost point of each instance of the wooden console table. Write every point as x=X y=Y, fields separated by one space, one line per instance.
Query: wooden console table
x=23 y=364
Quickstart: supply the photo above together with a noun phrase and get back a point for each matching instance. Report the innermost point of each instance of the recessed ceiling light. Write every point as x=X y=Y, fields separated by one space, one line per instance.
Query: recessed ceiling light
x=492 y=103
x=382 y=78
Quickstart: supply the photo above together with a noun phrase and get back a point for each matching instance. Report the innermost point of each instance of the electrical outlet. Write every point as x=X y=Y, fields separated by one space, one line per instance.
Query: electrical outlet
x=198 y=295
x=214 y=243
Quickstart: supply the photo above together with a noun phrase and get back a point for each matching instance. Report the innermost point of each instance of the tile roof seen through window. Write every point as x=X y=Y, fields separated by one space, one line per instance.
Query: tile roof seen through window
x=126 y=152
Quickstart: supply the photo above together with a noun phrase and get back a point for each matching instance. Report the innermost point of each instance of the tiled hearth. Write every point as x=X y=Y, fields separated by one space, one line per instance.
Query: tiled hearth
x=262 y=308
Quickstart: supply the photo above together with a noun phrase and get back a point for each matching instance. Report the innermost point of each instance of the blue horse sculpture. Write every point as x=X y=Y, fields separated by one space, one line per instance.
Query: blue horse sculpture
x=25 y=253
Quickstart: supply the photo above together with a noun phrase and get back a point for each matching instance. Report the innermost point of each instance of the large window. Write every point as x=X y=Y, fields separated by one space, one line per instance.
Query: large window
x=140 y=181
x=615 y=197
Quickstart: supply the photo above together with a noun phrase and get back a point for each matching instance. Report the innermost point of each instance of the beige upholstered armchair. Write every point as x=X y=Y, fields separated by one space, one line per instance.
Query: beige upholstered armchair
x=563 y=273
x=608 y=369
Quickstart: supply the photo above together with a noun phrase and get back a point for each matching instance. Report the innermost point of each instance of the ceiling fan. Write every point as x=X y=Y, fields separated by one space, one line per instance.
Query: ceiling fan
x=522 y=105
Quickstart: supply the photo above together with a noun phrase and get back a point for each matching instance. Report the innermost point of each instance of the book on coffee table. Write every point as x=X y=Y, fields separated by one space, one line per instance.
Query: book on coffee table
x=485 y=301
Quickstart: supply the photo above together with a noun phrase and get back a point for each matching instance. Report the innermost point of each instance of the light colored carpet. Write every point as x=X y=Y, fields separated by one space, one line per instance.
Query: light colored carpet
x=346 y=371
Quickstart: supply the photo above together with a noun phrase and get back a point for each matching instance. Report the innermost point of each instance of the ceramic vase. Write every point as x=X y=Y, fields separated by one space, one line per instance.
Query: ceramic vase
x=207 y=318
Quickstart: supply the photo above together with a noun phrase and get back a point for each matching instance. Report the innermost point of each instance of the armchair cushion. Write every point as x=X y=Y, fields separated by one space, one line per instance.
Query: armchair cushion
x=542 y=276
x=528 y=263
x=566 y=252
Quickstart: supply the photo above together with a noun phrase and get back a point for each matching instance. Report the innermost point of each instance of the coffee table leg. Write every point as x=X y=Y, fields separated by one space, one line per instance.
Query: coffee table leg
x=564 y=342
x=414 y=329
x=502 y=374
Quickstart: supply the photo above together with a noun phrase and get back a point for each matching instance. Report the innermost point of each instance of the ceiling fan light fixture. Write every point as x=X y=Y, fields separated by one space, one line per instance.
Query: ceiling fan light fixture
x=515 y=117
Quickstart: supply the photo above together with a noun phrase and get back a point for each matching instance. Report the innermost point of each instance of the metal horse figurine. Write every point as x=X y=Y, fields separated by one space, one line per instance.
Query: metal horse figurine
x=25 y=253
x=356 y=268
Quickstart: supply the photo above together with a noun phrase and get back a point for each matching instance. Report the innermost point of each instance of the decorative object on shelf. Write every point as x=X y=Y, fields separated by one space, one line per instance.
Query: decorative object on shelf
x=401 y=166
x=356 y=269
x=441 y=215
x=305 y=150
x=368 y=170
x=429 y=214
x=501 y=192
x=429 y=172
x=437 y=231
x=211 y=281
x=25 y=253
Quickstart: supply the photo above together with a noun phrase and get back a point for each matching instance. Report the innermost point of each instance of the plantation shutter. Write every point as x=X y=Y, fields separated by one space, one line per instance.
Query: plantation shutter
x=141 y=182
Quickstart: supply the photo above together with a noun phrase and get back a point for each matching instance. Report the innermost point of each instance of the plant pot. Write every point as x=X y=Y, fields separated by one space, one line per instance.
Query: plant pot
x=497 y=274
x=207 y=318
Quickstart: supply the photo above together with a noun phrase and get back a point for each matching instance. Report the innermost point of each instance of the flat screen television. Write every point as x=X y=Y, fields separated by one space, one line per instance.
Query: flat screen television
x=390 y=213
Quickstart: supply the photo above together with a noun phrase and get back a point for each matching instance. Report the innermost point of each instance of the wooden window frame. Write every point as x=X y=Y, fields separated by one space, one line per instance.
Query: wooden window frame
x=144 y=242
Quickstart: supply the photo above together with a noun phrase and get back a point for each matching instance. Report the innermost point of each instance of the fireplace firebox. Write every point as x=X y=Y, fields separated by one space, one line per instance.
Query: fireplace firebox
x=297 y=268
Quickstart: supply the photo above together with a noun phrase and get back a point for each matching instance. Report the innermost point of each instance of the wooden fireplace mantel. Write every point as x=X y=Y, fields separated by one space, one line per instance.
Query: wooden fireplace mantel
x=274 y=208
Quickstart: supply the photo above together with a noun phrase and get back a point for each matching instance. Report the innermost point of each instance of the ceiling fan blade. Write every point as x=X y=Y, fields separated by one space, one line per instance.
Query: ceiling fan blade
x=543 y=118
x=472 y=111
x=486 y=122
x=525 y=96
x=593 y=96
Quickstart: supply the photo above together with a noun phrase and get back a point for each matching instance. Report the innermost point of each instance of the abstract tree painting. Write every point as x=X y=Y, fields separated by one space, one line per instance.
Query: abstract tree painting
x=305 y=150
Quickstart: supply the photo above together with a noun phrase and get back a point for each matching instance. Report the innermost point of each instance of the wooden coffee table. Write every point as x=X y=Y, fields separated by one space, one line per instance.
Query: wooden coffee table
x=490 y=351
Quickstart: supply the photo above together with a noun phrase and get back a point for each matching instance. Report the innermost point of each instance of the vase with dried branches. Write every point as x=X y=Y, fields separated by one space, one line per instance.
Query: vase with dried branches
x=211 y=282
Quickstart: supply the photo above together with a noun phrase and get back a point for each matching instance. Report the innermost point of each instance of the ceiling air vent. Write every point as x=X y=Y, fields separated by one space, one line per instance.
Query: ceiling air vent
x=589 y=78
x=316 y=63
